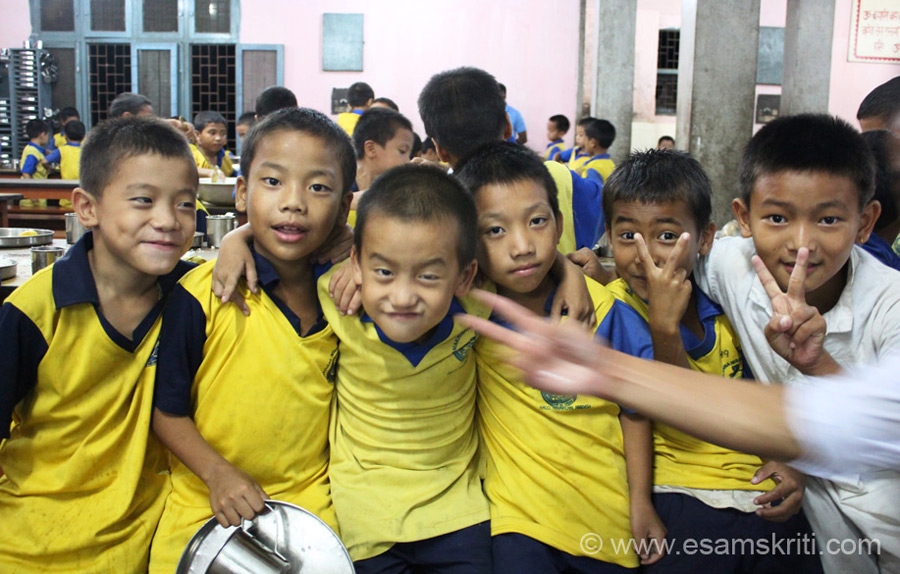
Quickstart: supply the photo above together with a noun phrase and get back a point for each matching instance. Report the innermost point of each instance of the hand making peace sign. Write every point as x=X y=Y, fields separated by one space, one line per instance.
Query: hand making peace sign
x=668 y=288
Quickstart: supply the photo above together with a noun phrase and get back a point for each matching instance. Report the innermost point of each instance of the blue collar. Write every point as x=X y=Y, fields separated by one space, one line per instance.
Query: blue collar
x=74 y=144
x=557 y=142
x=415 y=352
x=599 y=156
x=269 y=279
x=73 y=283
x=548 y=307
x=37 y=147
x=359 y=112
x=220 y=156
x=707 y=311
x=580 y=153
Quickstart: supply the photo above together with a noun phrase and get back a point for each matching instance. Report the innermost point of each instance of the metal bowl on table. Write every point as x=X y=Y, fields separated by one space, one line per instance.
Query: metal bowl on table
x=217 y=193
x=13 y=236
x=7 y=269
x=197 y=242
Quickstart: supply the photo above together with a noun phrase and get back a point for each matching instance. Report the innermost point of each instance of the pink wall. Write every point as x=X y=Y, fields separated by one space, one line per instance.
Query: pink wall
x=851 y=81
x=15 y=23
x=532 y=50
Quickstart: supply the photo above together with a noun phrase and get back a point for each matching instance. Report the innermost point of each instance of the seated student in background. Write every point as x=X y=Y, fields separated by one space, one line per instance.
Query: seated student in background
x=806 y=188
x=228 y=437
x=516 y=121
x=385 y=103
x=382 y=140
x=666 y=142
x=658 y=208
x=65 y=116
x=84 y=481
x=404 y=464
x=575 y=157
x=428 y=152
x=880 y=109
x=598 y=137
x=885 y=147
x=243 y=125
x=33 y=164
x=555 y=464
x=68 y=155
x=272 y=99
x=210 y=152
x=360 y=96
x=557 y=128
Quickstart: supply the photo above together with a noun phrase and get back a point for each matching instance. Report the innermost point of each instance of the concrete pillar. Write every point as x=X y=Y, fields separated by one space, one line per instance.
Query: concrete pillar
x=807 y=72
x=614 y=78
x=716 y=90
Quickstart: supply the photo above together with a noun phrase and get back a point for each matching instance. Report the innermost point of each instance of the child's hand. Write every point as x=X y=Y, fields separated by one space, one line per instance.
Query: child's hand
x=791 y=485
x=668 y=288
x=590 y=265
x=572 y=295
x=233 y=494
x=344 y=289
x=337 y=246
x=235 y=261
x=649 y=534
x=796 y=330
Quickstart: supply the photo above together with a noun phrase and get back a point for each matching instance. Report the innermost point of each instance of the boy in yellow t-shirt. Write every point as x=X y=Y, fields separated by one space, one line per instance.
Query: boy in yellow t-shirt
x=658 y=208
x=210 y=152
x=84 y=481
x=33 y=164
x=559 y=468
x=360 y=96
x=68 y=155
x=598 y=137
x=242 y=429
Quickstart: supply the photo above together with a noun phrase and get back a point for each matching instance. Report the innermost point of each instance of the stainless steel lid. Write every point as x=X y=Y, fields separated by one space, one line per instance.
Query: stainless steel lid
x=299 y=536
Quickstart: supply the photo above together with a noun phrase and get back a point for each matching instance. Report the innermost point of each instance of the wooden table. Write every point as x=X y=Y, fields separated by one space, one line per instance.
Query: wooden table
x=22 y=256
x=5 y=199
x=40 y=188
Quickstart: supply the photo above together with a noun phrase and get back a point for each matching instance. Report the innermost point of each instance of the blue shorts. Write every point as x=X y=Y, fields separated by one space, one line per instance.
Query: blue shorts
x=523 y=555
x=466 y=551
x=724 y=540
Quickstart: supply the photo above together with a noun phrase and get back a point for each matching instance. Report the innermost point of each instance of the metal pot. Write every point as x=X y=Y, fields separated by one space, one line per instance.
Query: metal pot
x=74 y=228
x=7 y=269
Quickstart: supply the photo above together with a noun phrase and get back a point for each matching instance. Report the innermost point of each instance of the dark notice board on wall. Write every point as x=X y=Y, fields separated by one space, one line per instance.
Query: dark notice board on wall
x=342 y=42
x=770 y=58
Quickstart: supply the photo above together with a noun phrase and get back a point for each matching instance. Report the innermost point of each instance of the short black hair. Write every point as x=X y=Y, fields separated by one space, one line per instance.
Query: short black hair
x=601 y=130
x=68 y=112
x=660 y=176
x=502 y=88
x=586 y=120
x=665 y=139
x=388 y=102
x=561 y=122
x=246 y=118
x=416 y=147
x=128 y=103
x=309 y=122
x=118 y=139
x=203 y=119
x=420 y=193
x=427 y=144
x=499 y=163
x=462 y=110
x=883 y=102
x=887 y=177
x=272 y=99
x=378 y=125
x=74 y=130
x=808 y=143
x=359 y=94
x=34 y=128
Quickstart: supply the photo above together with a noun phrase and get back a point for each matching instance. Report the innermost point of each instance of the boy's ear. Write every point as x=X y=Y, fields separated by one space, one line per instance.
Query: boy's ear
x=442 y=153
x=507 y=130
x=354 y=263
x=608 y=241
x=867 y=219
x=344 y=211
x=742 y=214
x=707 y=236
x=85 y=206
x=370 y=149
x=240 y=194
x=466 y=278
x=559 y=226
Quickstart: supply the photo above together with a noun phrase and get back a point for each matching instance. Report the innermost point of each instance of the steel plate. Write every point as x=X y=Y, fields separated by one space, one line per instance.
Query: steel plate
x=300 y=537
x=7 y=269
x=9 y=237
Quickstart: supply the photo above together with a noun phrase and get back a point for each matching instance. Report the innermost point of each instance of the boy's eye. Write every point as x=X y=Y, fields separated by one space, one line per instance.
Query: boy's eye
x=381 y=272
x=319 y=187
x=830 y=220
x=142 y=200
x=667 y=236
x=627 y=235
x=539 y=220
x=429 y=276
x=776 y=218
x=270 y=181
x=188 y=205
x=493 y=231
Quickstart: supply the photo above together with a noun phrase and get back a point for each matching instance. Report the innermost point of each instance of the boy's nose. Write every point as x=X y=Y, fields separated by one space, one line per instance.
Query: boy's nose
x=521 y=244
x=402 y=296
x=293 y=198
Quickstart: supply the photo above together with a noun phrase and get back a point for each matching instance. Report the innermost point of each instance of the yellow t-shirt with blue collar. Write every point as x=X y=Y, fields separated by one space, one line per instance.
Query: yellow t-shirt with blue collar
x=574 y=158
x=84 y=479
x=31 y=161
x=348 y=120
x=404 y=442
x=599 y=167
x=223 y=160
x=555 y=464
x=680 y=459
x=554 y=149
x=68 y=156
x=259 y=392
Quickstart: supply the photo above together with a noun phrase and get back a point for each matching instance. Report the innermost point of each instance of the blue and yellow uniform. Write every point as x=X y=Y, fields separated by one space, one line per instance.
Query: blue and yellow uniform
x=599 y=167
x=580 y=202
x=59 y=140
x=31 y=161
x=68 y=156
x=554 y=149
x=84 y=480
x=223 y=160
x=404 y=443
x=555 y=463
x=883 y=251
x=574 y=158
x=267 y=416
x=348 y=120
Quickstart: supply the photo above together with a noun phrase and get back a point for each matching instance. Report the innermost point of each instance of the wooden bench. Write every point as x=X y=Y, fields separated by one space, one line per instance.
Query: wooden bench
x=50 y=217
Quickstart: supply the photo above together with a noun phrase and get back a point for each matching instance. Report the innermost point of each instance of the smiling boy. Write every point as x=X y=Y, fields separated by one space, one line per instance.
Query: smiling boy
x=84 y=481
x=244 y=429
x=807 y=182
